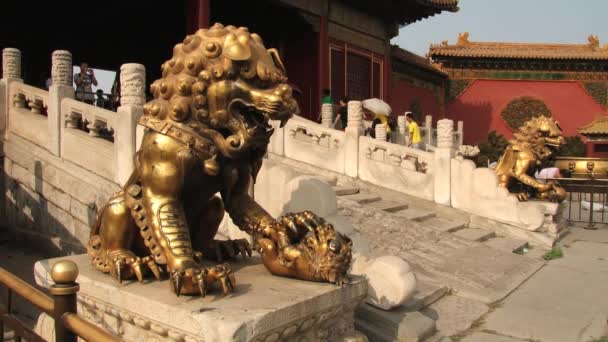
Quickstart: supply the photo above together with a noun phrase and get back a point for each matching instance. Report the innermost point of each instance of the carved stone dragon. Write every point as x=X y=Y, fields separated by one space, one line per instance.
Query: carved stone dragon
x=207 y=131
x=534 y=142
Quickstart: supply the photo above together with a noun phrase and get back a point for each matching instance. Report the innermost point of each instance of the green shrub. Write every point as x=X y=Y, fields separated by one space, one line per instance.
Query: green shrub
x=492 y=149
x=554 y=253
x=574 y=147
x=522 y=109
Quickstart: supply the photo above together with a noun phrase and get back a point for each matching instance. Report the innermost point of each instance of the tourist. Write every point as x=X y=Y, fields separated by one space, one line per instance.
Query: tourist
x=85 y=80
x=326 y=99
x=380 y=119
x=547 y=173
x=115 y=93
x=101 y=100
x=342 y=118
x=46 y=80
x=414 y=130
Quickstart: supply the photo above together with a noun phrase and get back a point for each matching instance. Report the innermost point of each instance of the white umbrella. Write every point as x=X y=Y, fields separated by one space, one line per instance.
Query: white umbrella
x=377 y=106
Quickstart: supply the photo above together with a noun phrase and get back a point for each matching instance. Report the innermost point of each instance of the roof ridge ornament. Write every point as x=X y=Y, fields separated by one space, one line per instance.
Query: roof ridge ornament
x=594 y=41
x=463 y=39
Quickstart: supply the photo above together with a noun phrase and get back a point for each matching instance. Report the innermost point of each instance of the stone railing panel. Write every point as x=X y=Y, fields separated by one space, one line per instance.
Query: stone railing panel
x=476 y=191
x=96 y=117
x=24 y=95
x=396 y=167
x=315 y=144
x=88 y=150
x=26 y=106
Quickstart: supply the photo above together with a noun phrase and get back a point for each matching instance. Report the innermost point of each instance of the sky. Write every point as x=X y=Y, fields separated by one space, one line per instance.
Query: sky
x=539 y=21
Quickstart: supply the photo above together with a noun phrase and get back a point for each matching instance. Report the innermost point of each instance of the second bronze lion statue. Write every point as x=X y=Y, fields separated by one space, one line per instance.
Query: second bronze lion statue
x=534 y=143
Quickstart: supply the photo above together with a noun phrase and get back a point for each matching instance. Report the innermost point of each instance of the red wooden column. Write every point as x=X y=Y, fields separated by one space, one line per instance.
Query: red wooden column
x=203 y=14
x=590 y=149
x=387 y=73
x=323 y=69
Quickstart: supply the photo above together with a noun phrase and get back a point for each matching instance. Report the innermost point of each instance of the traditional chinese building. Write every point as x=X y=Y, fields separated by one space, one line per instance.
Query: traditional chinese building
x=491 y=84
x=597 y=137
x=417 y=85
x=340 y=45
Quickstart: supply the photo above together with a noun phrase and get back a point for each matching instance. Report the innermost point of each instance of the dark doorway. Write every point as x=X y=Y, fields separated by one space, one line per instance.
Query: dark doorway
x=105 y=34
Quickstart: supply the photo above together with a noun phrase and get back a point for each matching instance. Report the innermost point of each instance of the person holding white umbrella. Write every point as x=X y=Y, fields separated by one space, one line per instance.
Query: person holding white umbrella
x=382 y=110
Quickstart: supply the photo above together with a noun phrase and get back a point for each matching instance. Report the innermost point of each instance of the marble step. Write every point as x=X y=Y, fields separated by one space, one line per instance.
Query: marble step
x=389 y=206
x=415 y=214
x=443 y=224
x=475 y=234
x=363 y=197
x=394 y=325
x=426 y=294
x=333 y=181
x=507 y=244
x=345 y=190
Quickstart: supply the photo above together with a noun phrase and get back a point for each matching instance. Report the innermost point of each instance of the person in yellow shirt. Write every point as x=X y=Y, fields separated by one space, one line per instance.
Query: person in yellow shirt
x=414 y=129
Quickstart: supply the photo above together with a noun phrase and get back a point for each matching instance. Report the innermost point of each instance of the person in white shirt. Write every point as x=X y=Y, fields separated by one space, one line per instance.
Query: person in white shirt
x=547 y=173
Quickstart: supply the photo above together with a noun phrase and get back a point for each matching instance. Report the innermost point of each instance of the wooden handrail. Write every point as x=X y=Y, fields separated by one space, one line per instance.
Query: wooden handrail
x=61 y=307
x=25 y=290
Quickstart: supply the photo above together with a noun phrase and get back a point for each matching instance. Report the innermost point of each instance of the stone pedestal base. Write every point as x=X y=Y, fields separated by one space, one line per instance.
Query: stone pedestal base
x=262 y=308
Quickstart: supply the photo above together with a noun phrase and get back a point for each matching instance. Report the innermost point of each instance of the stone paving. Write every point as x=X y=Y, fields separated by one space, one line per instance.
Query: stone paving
x=496 y=296
x=471 y=268
x=565 y=301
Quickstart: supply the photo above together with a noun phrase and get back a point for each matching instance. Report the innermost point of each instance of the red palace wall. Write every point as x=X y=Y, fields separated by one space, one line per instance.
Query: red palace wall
x=481 y=104
x=403 y=94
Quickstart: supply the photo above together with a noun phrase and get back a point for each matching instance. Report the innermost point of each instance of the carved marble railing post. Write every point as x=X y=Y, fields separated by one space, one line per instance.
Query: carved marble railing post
x=460 y=131
x=380 y=131
x=61 y=74
x=443 y=159
x=132 y=99
x=327 y=110
x=354 y=129
x=428 y=123
x=402 y=134
x=11 y=72
x=277 y=140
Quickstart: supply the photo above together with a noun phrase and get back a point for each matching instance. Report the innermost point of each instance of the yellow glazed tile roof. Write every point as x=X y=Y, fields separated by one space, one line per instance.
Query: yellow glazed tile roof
x=599 y=126
x=466 y=48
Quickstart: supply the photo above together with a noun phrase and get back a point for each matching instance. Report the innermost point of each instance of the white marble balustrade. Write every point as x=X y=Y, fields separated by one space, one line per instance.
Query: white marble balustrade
x=26 y=105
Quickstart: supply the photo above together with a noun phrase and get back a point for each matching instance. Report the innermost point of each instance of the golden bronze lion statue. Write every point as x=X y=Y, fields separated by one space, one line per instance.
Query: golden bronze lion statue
x=534 y=142
x=207 y=130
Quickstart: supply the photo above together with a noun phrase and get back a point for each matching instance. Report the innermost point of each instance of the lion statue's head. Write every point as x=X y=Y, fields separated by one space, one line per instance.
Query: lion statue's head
x=542 y=135
x=223 y=84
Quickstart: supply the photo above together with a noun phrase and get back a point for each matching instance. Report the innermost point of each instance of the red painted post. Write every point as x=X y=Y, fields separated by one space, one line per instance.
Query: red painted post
x=323 y=70
x=386 y=77
x=203 y=15
x=589 y=151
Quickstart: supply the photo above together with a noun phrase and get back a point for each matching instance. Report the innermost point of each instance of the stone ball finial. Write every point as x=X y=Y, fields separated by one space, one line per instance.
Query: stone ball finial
x=11 y=63
x=61 y=68
x=64 y=272
x=132 y=84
